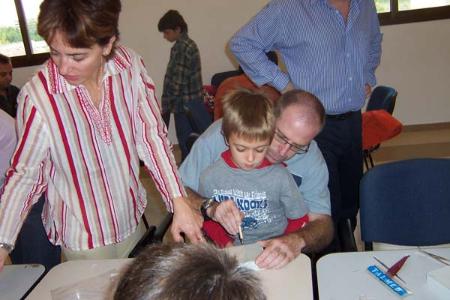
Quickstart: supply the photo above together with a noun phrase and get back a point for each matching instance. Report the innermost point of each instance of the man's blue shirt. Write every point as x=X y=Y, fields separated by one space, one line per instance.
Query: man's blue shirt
x=324 y=54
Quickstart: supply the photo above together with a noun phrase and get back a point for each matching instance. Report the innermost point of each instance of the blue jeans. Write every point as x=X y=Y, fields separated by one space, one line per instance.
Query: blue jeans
x=195 y=119
x=32 y=244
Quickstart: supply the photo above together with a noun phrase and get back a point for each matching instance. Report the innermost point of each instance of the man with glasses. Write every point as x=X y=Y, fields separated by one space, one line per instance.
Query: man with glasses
x=300 y=117
x=330 y=48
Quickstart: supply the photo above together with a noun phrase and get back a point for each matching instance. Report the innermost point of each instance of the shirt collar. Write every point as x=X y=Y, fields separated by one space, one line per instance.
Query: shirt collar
x=119 y=62
x=183 y=36
x=181 y=40
x=226 y=156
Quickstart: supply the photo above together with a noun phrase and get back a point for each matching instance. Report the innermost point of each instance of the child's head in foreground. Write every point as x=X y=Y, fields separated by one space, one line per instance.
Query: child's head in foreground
x=187 y=271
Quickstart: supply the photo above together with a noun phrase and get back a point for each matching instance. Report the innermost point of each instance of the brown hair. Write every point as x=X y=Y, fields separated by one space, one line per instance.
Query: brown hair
x=187 y=271
x=83 y=22
x=171 y=20
x=248 y=114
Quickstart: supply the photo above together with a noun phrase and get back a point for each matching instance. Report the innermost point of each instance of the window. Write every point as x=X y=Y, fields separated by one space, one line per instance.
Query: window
x=407 y=11
x=18 y=35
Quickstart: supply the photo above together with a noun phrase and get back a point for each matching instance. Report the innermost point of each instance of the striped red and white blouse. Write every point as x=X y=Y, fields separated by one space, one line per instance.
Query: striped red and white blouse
x=86 y=158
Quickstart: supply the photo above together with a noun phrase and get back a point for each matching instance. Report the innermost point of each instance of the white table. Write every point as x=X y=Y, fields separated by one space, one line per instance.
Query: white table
x=292 y=282
x=345 y=275
x=16 y=280
x=73 y=272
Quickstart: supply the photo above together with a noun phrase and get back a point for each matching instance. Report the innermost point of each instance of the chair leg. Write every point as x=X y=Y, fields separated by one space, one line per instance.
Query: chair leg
x=146 y=239
x=366 y=163
x=368 y=246
x=371 y=160
x=162 y=227
x=346 y=236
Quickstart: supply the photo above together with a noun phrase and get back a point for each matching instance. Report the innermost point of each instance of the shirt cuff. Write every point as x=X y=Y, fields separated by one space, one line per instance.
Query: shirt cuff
x=280 y=81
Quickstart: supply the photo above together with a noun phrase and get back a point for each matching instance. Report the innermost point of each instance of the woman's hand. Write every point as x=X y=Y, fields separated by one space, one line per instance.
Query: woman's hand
x=186 y=220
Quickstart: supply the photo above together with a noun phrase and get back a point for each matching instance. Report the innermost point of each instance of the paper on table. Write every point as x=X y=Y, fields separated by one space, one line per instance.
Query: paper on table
x=246 y=255
x=250 y=265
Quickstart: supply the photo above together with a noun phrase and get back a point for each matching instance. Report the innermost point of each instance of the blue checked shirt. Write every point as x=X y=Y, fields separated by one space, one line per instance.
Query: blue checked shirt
x=323 y=54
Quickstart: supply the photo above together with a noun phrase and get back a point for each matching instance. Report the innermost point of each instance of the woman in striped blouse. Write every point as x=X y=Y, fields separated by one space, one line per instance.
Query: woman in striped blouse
x=85 y=120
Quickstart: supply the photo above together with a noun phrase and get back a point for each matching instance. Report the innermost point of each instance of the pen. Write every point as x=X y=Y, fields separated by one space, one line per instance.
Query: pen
x=387 y=268
x=241 y=235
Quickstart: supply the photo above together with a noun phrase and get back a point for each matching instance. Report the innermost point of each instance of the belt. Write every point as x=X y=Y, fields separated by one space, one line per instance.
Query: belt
x=343 y=116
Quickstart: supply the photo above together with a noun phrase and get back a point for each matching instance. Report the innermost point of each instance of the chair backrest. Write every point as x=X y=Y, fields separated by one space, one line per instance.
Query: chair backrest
x=217 y=78
x=406 y=203
x=382 y=97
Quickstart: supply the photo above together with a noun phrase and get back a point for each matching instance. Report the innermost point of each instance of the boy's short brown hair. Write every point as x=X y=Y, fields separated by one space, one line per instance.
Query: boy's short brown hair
x=171 y=20
x=248 y=115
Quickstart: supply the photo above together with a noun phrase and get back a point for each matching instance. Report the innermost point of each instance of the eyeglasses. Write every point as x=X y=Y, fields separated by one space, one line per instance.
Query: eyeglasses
x=282 y=139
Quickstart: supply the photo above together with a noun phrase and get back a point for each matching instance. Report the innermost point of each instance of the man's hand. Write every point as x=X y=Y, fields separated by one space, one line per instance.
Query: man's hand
x=279 y=251
x=228 y=215
x=313 y=237
x=3 y=256
x=187 y=220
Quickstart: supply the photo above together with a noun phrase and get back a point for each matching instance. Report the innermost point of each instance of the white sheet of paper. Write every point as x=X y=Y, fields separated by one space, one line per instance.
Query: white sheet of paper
x=246 y=255
x=250 y=265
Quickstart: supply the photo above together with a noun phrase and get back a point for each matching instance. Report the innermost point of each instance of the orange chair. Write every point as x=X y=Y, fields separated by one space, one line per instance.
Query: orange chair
x=378 y=124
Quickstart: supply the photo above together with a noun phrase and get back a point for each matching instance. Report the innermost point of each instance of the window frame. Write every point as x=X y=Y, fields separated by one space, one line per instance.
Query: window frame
x=415 y=15
x=29 y=59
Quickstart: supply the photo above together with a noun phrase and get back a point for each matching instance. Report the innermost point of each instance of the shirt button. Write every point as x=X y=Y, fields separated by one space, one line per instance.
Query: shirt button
x=350 y=78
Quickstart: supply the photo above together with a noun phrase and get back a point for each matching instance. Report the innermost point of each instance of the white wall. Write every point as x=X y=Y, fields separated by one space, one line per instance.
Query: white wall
x=416 y=61
x=211 y=23
x=416 y=56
